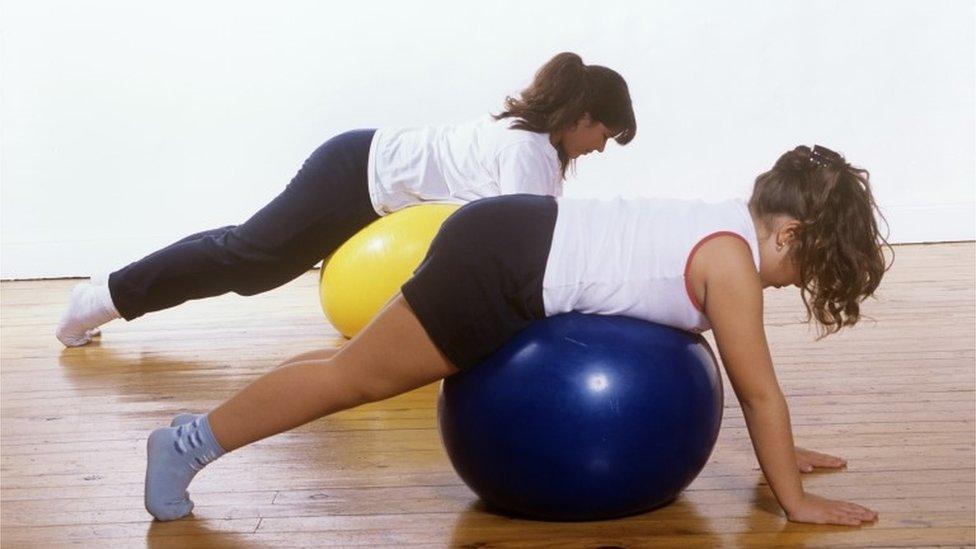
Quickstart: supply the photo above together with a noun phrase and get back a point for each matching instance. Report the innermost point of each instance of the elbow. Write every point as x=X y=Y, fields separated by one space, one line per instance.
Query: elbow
x=761 y=401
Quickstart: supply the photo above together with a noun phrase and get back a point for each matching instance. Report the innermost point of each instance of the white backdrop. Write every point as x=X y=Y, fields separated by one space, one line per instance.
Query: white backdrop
x=126 y=125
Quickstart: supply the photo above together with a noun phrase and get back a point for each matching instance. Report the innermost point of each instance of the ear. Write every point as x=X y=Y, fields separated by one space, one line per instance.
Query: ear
x=585 y=121
x=788 y=231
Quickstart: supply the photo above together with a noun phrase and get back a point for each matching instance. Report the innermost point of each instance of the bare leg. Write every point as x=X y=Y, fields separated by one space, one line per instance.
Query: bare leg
x=392 y=355
x=318 y=354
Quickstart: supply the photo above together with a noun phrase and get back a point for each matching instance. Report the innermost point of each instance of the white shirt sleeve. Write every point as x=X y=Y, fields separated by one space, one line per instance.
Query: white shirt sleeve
x=524 y=168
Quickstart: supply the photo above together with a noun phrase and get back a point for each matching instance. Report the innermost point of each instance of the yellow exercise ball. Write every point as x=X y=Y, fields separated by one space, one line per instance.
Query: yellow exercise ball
x=360 y=277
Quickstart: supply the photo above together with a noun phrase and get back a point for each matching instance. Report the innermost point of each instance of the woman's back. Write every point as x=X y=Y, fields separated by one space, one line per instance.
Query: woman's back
x=458 y=163
x=628 y=256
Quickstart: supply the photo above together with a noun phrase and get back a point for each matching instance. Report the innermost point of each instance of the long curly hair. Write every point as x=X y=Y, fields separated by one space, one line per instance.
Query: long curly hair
x=838 y=249
x=565 y=89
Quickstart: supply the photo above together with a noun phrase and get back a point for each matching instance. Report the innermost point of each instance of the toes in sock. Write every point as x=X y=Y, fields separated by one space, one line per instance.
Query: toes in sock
x=175 y=455
x=88 y=307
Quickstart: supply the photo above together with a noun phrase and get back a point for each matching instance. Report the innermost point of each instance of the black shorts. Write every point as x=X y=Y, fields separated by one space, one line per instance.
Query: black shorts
x=481 y=282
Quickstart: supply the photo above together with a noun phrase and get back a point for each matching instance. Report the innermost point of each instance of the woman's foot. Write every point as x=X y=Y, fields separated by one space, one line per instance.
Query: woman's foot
x=174 y=456
x=89 y=307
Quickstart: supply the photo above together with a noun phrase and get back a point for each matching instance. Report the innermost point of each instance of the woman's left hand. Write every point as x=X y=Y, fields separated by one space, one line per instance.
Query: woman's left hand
x=807 y=460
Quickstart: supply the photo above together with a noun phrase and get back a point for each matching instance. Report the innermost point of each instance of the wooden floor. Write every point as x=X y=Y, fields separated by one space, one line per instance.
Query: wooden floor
x=895 y=396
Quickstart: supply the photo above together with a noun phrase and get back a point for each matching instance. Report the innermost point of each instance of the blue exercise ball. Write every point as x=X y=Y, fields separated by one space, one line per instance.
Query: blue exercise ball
x=584 y=417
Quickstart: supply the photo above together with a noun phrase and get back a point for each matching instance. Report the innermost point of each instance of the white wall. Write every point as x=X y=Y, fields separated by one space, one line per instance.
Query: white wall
x=126 y=125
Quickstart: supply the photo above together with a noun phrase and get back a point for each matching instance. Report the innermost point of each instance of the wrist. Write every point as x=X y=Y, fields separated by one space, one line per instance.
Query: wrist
x=792 y=502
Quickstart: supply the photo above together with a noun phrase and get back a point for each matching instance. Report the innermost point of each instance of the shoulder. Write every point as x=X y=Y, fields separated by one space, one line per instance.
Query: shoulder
x=723 y=264
x=725 y=254
x=729 y=246
x=506 y=134
x=528 y=155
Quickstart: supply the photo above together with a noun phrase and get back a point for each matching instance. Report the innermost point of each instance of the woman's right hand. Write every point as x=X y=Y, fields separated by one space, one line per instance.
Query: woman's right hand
x=820 y=510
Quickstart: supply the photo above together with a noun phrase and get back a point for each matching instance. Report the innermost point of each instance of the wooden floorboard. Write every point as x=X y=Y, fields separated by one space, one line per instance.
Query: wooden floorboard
x=896 y=396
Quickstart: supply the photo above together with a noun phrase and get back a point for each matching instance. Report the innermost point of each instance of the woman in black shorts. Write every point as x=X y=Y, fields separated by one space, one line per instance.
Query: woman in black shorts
x=501 y=263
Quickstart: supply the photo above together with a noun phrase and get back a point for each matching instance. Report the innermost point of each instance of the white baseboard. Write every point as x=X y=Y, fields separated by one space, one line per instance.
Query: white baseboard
x=68 y=259
x=931 y=223
x=81 y=258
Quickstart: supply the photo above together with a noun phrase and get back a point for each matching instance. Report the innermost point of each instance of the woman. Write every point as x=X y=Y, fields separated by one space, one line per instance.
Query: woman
x=501 y=263
x=569 y=110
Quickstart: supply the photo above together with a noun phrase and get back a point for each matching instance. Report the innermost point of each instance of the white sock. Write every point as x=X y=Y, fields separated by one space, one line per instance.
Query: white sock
x=175 y=456
x=88 y=308
x=97 y=279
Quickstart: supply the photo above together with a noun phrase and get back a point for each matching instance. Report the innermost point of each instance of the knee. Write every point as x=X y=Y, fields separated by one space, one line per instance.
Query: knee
x=252 y=269
x=341 y=388
x=367 y=391
x=230 y=249
x=370 y=388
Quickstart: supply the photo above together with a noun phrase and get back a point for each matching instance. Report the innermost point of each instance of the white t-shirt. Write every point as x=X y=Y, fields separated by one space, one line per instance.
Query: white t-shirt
x=459 y=163
x=630 y=256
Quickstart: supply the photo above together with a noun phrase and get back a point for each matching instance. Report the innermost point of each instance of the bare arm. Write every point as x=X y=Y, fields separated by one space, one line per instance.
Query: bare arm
x=734 y=306
x=318 y=354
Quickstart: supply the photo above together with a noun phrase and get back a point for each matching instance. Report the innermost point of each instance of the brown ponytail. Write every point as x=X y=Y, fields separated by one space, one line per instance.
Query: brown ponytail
x=838 y=249
x=565 y=89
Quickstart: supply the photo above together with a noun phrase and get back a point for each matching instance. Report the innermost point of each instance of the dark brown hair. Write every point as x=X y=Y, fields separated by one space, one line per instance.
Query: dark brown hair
x=838 y=248
x=565 y=89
